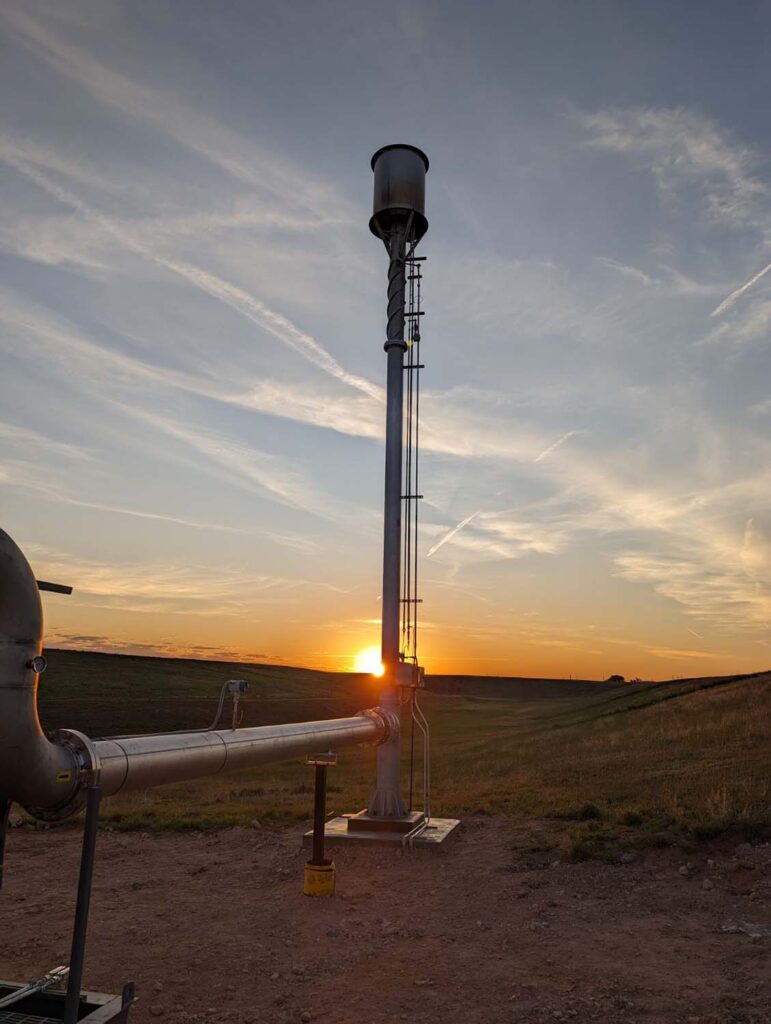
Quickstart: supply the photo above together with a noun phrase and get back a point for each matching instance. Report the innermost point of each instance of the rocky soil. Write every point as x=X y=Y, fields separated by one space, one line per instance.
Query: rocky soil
x=214 y=928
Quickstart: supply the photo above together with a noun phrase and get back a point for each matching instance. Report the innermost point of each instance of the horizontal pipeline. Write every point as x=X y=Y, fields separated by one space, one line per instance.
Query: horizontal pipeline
x=139 y=762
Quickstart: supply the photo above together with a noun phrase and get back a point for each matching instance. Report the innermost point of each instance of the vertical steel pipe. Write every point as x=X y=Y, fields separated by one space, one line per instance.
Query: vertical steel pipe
x=395 y=348
x=387 y=800
x=319 y=815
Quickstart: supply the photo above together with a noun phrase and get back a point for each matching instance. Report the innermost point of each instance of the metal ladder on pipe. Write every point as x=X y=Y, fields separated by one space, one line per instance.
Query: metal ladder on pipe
x=411 y=497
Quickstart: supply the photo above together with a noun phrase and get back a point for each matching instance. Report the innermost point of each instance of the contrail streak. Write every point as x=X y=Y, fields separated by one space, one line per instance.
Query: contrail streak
x=552 y=447
x=229 y=294
x=730 y=299
x=453 y=531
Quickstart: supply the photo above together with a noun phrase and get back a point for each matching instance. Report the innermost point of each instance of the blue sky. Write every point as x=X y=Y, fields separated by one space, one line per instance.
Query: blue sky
x=193 y=311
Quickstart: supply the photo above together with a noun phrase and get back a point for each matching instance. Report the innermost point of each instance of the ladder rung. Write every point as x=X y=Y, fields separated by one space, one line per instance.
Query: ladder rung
x=414 y=366
x=411 y=600
x=412 y=497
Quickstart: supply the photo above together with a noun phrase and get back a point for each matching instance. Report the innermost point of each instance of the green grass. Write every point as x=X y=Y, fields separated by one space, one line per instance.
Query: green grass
x=597 y=766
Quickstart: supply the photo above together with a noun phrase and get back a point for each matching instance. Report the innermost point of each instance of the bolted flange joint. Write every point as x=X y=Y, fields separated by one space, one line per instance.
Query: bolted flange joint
x=388 y=721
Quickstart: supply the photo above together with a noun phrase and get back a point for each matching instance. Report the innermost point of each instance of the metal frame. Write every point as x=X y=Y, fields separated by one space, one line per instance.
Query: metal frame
x=82 y=906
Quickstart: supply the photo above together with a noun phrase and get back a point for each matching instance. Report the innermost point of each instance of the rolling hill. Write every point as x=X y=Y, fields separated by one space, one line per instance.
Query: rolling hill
x=588 y=762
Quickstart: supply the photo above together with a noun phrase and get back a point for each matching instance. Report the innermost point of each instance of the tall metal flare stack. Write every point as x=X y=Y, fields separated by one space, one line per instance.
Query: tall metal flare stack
x=399 y=219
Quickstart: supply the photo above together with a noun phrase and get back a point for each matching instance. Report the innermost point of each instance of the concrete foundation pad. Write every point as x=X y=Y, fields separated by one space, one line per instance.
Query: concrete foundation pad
x=339 y=831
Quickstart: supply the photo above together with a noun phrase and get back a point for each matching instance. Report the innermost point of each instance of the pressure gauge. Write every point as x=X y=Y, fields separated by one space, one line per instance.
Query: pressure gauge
x=37 y=664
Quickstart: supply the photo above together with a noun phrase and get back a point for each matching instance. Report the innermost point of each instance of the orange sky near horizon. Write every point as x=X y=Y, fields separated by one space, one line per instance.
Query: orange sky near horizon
x=527 y=647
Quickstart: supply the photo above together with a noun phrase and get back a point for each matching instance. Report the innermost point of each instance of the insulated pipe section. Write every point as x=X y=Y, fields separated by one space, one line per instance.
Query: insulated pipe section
x=139 y=762
x=34 y=772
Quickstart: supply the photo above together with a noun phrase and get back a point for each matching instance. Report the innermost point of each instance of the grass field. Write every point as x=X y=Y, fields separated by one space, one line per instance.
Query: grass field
x=578 y=765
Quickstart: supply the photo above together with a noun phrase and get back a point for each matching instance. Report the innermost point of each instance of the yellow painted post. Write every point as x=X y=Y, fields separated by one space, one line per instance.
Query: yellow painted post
x=319 y=875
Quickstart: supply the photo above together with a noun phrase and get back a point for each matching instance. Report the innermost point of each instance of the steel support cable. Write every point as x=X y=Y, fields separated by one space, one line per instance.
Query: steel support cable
x=411 y=493
x=415 y=361
x=412 y=748
x=417 y=716
x=411 y=476
x=407 y=493
x=407 y=501
x=424 y=727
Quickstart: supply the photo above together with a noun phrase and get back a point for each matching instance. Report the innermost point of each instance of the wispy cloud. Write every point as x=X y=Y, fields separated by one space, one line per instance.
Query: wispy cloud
x=499 y=536
x=729 y=300
x=226 y=458
x=633 y=273
x=200 y=133
x=64 y=240
x=670 y=282
x=355 y=415
x=166 y=586
x=249 y=467
x=451 y=533
x=680 y=145
x=553 y=447
x=685 y=655
x=451 y=422
x=28 y=477
x=750 y=325
x=706 y=585
x=31 y=439
x=237 y=298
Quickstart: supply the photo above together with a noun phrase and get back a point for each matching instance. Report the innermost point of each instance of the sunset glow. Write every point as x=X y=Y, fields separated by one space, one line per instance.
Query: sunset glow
x=594 y=414
x=369 y=661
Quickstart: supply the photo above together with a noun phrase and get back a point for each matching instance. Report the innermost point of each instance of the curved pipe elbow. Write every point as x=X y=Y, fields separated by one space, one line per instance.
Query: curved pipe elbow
x=41 y=775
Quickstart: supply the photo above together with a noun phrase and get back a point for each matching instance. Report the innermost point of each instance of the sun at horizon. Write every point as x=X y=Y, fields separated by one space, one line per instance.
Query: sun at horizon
x=368 y=660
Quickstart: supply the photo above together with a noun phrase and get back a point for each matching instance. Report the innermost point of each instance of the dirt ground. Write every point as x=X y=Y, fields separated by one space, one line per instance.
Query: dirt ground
x=214 y=927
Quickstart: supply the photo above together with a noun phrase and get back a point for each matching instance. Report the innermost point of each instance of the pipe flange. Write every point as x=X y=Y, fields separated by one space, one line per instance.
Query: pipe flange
x=87 y=771
x=86 y=757
x=388 y=721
